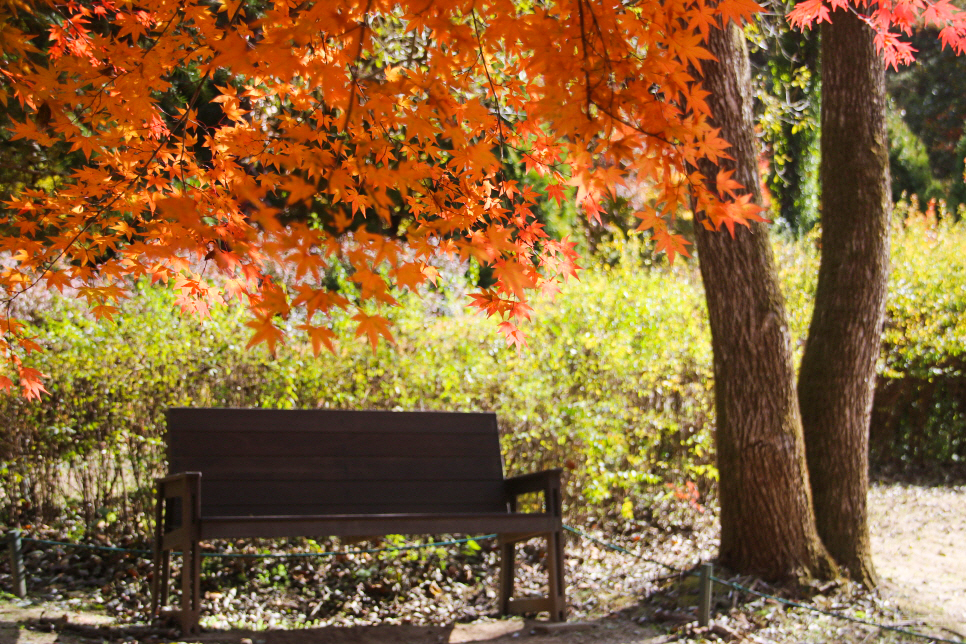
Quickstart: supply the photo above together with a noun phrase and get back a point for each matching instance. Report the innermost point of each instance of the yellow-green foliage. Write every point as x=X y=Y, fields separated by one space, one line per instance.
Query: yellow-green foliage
x=926 y=331
x=920 y=412
x=798 y=272
x=615 y=385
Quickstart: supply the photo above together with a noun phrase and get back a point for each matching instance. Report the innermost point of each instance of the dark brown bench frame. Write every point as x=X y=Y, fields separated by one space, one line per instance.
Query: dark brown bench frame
x=181 y=524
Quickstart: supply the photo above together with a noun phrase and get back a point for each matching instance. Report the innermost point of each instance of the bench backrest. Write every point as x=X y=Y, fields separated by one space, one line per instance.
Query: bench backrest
x=261 y=462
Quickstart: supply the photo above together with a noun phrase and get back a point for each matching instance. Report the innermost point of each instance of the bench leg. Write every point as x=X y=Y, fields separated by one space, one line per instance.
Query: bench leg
x=556 y=573
x=159 y=581
x=165 y=579
x=160 y=576
x=555 y=603
x=507 y=570
x=155 y=580
x=190 y=587
x=178 y=524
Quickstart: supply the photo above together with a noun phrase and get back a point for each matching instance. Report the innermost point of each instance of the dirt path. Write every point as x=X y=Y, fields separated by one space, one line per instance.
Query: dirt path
x=919 y=546
x=613 y=630
x=919 y=549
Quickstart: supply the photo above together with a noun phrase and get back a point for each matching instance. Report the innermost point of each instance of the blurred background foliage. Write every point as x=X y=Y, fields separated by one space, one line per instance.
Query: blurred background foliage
x=787 y=81
x=928 y=97
x=615 y=385
x=926 y=117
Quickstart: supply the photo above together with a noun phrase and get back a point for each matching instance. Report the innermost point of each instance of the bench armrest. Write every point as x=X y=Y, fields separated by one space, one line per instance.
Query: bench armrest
x=172 y=478
x=179 y=501
x=547 y=481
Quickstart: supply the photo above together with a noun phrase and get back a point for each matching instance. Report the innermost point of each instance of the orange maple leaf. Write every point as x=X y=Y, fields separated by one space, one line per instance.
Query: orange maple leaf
x=373 y=327
x=265 y=330
x=671 y=244
x=320 y=336
x=513 y=278
x=725 y=185
x=513 y=335
x=31 y=383
x=412 y=274
x=593 y=209
x=556 y=192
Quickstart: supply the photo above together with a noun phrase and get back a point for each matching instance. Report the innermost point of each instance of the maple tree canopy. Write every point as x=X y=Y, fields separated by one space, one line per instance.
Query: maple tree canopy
x=227 y=143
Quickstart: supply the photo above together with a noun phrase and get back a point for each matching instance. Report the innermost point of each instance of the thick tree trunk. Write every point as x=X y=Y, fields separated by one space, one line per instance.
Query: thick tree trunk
x=837 y=378
x=767 y=524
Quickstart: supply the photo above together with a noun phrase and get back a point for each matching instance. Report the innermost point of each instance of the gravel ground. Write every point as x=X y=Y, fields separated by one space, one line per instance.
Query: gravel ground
x=919 y=549
x=448 y=596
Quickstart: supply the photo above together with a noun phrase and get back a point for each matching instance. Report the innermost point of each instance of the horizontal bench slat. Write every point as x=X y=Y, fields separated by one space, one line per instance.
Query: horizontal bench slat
x=283 y=443
x=312 y=468
x=348 y=525
x=331 y=420
x=530 y=605
x=249 y=509
x=350 y=493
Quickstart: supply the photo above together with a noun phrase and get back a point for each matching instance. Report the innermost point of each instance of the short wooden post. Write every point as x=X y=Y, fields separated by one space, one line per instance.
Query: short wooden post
x=704 y=602
x=18 y=575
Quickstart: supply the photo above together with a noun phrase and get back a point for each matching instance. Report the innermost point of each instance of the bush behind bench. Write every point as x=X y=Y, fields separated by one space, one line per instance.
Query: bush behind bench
x=616 y=384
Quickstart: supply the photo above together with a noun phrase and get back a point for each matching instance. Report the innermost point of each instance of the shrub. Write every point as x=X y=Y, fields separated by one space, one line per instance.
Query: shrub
x=919 y=413
x=614 y=385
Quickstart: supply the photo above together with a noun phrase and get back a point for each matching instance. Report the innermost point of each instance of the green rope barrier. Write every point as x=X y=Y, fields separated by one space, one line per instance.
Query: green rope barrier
x=270 y=555
x=616 y=548
x=86 y=546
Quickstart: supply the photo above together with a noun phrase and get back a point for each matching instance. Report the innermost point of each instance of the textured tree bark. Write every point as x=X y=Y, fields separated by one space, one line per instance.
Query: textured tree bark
x=767 y=523
x=837 y=377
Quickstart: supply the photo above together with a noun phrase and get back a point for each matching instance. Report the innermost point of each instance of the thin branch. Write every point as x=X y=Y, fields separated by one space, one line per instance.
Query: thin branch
x=489 y=79
x=583 y=48
x=138 y=176
x=352 y=72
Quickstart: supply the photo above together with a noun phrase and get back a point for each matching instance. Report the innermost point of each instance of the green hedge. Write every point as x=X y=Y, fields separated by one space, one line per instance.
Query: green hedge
x=919 y=411
x=615 y=385
x=919 y=415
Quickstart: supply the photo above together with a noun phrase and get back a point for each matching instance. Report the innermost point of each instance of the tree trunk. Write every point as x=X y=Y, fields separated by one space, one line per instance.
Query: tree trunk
x=837 y=378
x=767 y=523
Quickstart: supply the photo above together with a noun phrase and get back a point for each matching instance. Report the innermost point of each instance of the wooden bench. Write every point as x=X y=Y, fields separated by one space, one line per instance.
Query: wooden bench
x=309 y=473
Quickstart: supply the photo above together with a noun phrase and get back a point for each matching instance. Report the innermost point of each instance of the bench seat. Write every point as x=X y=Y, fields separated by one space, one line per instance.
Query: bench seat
x=349 y=525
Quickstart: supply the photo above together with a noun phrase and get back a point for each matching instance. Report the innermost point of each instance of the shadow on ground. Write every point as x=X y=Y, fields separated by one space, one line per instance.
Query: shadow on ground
x=31 y=626
x=613 y=629
x=9 y=632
